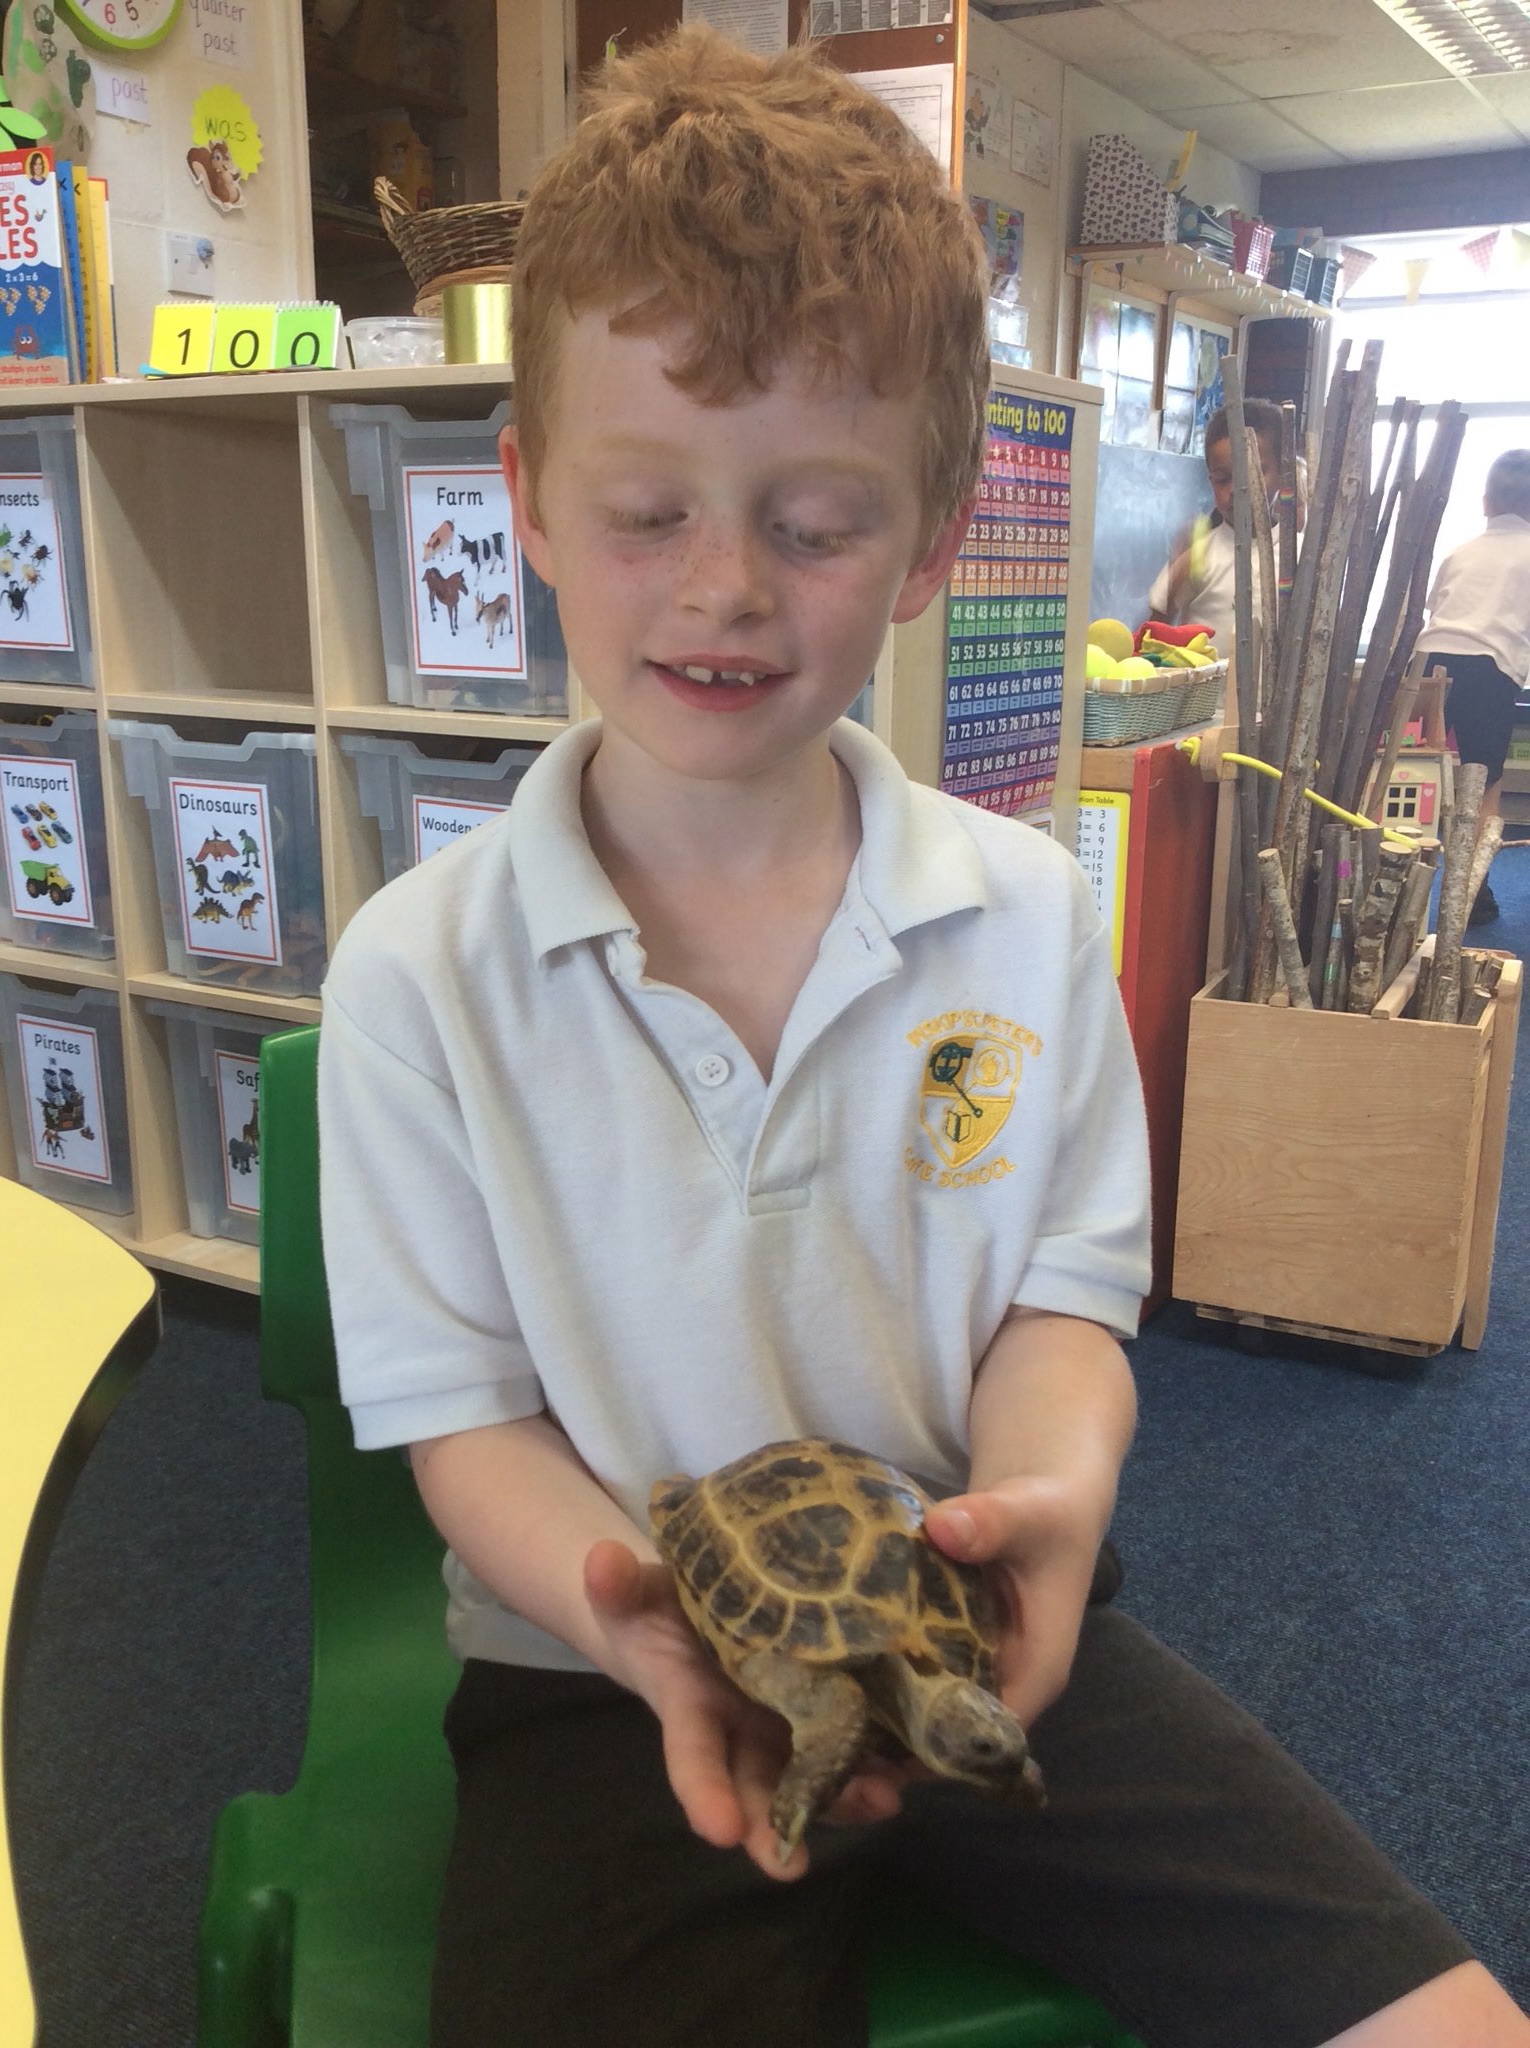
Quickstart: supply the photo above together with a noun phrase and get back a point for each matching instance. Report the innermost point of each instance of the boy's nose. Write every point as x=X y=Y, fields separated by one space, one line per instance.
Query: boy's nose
x=726 y=576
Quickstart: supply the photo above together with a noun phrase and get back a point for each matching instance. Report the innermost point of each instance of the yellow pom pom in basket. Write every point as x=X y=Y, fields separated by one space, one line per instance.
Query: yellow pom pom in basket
x=444 y=245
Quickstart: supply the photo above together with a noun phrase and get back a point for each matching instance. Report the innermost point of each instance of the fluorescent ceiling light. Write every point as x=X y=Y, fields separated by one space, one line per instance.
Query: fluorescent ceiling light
x=1468 y=37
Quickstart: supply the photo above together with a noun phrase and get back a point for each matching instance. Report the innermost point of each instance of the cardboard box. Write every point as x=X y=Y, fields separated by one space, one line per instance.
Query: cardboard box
x=1124 y=198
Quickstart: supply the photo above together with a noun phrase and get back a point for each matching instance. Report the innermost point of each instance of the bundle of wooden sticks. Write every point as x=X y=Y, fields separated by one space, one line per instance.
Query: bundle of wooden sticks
x=1331 y=907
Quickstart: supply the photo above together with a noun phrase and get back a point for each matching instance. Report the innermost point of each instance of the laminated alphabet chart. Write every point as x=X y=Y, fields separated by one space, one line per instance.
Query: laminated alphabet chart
x=465 y=573
x=239 y=1130
x=34 y=599
x=439 y=824
x=44 y=840
x=227 y=882
x=65 y=1121
x=1007 y=614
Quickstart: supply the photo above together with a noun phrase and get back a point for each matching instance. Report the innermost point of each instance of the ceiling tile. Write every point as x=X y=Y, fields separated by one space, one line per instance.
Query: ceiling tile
x=1284 y=47
x=1508 y=94
x=1399 y=121
x=1111 y=47
x=1256 y=135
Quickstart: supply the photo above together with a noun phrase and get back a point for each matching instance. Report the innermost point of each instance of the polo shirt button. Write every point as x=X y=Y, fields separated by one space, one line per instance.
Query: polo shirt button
x=712 y=1070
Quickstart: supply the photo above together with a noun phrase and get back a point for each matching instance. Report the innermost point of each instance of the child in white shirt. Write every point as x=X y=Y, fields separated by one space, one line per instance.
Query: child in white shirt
x=1479 y=628
x=1196 y=584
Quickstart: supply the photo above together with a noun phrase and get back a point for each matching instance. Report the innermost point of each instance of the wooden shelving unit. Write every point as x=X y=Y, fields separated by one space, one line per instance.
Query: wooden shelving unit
x=230 y=577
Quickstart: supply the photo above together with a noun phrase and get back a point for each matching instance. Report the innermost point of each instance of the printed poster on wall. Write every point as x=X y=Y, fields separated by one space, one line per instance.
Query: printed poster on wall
x=1007 y=614
x=44 y=840
x=62 y=1066
x=227 y=883
x=34 y=596
x=465 y=580
x=239 y=1130
x=1104 y=819
x=440 y=824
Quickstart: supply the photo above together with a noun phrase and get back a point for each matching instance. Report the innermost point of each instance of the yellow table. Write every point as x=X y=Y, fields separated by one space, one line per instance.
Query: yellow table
x=78 y=1316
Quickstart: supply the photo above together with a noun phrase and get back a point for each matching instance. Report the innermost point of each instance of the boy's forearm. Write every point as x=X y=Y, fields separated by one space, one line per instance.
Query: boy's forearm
x=522 y=1511
x=1053 y=1399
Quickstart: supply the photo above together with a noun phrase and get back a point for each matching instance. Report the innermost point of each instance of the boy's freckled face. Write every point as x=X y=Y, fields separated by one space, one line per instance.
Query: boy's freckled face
x=763 y=546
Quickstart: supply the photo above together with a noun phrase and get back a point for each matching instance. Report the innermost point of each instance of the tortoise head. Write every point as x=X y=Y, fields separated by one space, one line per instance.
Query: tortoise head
x=972 y=1736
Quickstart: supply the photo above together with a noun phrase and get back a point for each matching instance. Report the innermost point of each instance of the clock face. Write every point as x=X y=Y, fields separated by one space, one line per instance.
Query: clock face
x=122 y=24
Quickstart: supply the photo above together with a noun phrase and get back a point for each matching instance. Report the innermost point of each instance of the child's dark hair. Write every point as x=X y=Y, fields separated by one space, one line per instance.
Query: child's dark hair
x=1508 y=484
x=1263 y=415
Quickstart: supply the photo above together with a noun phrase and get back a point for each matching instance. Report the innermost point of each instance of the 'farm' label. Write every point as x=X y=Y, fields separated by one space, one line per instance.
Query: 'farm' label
x=465 y=573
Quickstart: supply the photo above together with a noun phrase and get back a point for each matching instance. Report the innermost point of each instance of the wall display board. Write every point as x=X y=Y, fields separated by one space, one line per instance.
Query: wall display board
x=1007 y=613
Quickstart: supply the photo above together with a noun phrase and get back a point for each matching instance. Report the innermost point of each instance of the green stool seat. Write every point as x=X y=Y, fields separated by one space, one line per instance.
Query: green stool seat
x=319 y=1923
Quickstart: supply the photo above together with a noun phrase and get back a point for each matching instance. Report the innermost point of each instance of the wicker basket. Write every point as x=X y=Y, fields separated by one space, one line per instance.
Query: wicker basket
x=442 y=243
x=1117 y=714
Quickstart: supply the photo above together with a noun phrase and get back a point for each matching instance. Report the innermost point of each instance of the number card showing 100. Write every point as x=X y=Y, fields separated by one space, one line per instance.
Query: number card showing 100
x=198 y=340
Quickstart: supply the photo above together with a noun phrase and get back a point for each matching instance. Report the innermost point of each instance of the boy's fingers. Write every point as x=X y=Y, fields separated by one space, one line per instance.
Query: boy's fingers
x=617 y=1583
x=974 y=1527
x=696 y=1758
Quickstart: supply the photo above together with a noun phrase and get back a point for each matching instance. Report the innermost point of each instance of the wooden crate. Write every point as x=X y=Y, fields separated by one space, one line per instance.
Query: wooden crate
x=1341 y=1173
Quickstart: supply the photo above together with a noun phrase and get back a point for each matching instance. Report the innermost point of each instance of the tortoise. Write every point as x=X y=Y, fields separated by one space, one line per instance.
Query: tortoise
x=806 y=1567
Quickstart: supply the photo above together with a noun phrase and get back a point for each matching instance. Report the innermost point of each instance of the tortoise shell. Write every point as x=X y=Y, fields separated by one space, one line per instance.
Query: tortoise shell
x=818 y=1549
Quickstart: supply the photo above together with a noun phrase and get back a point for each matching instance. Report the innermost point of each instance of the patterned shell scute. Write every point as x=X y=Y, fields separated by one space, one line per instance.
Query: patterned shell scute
x=818 y=1549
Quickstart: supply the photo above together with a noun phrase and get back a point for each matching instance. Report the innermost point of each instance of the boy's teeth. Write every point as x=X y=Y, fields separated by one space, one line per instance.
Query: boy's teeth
x=717 y=675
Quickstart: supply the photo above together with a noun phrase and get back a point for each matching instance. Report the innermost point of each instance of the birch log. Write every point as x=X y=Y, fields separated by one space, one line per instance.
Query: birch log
x=1455 y=902
x=1489 y=839
x=1373 y=923
x=1290 y=953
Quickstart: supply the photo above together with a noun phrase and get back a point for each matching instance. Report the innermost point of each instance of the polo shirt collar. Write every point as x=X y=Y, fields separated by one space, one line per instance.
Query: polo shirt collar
x=1508 y=522
x=916 y=861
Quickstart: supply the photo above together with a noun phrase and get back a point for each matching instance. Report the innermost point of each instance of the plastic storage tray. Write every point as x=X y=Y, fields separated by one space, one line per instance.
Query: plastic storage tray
x=56 y=896
x=61 y=1053
x=236 y=848
x=422 y=802
x=467 y=624
x=215 y=1074
x=44 y=615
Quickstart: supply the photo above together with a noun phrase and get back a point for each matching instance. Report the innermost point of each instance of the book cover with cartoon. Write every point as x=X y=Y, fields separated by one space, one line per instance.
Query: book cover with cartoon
x=34 y=319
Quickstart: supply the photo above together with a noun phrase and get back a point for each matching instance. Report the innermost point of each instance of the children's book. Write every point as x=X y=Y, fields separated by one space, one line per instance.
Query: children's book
x=101 y=234
x=72 y=285
x=90 y=287
x=34 y=311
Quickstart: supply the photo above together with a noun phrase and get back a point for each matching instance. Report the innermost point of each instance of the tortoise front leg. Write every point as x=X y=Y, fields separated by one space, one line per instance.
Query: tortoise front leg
x=828 y=1715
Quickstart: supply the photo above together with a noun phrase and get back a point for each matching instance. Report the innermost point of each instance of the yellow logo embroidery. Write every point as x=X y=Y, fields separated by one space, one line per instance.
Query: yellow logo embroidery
x=971 y=1074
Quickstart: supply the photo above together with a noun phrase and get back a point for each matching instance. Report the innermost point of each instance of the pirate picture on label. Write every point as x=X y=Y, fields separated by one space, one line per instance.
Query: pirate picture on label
x=239 y=1129
x=228 y=892
x=438 y=825
x=63 y=1088
x=34 y=598
x=44 y=840
x=465 y=573
x=967 y=1093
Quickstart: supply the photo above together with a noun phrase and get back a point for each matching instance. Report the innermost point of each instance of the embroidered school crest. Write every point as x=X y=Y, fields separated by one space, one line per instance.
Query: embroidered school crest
x=967 y=1093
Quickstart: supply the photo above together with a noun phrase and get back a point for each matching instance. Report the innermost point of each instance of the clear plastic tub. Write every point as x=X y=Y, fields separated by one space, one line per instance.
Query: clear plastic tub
x=423 y=802
x=215 y=1075
x=467 y=623
x=44 y=614
x=61 y=1053
x=236 y=849
x=56 y=896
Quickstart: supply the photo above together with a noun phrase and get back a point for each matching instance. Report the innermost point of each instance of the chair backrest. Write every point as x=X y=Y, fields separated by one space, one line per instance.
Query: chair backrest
x=297 y=1346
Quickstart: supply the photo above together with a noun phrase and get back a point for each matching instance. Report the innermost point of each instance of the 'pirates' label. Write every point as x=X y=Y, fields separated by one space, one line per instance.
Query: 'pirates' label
x=65 y=1121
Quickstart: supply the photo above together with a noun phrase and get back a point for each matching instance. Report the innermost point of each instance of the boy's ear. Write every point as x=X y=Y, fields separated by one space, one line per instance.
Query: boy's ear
x=528 y=532
x=934 y=565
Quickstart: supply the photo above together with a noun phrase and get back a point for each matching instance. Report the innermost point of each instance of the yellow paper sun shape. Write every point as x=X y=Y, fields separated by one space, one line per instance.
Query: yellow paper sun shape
x=221 y=115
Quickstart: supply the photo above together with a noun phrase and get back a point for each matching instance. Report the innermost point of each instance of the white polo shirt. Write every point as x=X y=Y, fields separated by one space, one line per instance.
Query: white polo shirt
x=551 y=1183
x=1480 y=602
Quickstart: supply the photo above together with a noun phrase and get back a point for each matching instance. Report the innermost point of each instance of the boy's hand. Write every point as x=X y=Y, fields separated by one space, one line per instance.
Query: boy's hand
x=1040 y=1544
x=724 y=1752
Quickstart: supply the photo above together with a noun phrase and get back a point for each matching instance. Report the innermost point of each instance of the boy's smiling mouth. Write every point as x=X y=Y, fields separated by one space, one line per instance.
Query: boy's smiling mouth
x=718 y=684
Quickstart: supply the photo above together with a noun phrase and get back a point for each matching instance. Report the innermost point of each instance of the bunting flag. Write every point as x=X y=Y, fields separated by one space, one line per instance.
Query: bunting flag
x=1519 y=248
x=1415 y=271
x=1354 y=263
x=1481 y=249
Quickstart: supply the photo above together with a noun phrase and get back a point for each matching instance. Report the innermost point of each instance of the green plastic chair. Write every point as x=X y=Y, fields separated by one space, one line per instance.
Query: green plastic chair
x=319 y=1923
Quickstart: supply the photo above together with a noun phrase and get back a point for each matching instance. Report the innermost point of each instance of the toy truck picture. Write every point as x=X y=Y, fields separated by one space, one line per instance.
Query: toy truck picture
x=44 y=879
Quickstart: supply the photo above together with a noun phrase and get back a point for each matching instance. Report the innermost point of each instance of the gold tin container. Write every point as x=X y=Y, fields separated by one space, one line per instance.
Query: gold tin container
x=476 y=320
